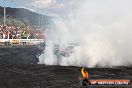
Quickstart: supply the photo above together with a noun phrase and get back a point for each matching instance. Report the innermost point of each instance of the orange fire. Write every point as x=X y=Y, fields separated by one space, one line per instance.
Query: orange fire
x=84 y=73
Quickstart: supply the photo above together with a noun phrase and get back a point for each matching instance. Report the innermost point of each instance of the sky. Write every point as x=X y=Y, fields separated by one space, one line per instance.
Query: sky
x=48 y=7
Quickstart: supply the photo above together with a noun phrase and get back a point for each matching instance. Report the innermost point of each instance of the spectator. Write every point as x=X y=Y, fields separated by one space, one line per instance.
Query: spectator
x=12 y=32
x=31 y=36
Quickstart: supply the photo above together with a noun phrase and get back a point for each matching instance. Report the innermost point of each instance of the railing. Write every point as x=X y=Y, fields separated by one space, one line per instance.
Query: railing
x=24 y=40
x=21 y=41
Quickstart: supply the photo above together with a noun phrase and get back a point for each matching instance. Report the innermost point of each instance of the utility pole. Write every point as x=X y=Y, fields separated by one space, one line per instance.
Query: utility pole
x=4 y=12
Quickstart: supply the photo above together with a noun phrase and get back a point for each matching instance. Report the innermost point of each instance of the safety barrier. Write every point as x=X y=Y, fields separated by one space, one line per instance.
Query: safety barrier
x=21 y=41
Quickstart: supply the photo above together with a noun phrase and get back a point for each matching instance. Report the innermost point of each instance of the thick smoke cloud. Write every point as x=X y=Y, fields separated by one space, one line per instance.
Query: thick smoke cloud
x=101 y=28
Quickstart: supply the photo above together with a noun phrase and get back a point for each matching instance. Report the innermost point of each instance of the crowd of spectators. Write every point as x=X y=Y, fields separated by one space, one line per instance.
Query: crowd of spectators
x=12 y=32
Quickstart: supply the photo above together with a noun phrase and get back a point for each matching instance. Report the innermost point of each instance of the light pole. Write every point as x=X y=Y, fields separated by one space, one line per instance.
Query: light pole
x=4 y=12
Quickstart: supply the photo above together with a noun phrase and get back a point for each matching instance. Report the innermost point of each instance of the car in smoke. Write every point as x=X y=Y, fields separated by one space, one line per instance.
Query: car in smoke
x=64 y=51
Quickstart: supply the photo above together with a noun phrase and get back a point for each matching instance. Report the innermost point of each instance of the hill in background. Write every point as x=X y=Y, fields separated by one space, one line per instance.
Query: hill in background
x=27 y=16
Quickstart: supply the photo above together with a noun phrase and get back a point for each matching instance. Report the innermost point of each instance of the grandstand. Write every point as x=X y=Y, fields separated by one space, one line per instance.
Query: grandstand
x=11 y=35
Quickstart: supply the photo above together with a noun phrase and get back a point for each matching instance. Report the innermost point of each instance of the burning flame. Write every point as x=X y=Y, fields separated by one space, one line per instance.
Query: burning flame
x=84 y=73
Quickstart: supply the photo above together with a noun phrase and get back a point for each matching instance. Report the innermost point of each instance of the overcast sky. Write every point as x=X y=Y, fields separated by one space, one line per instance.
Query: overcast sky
x=62 y=7
x=49 y=7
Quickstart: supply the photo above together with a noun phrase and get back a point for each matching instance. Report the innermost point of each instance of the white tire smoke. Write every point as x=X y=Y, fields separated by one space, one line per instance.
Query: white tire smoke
x=102 y=31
